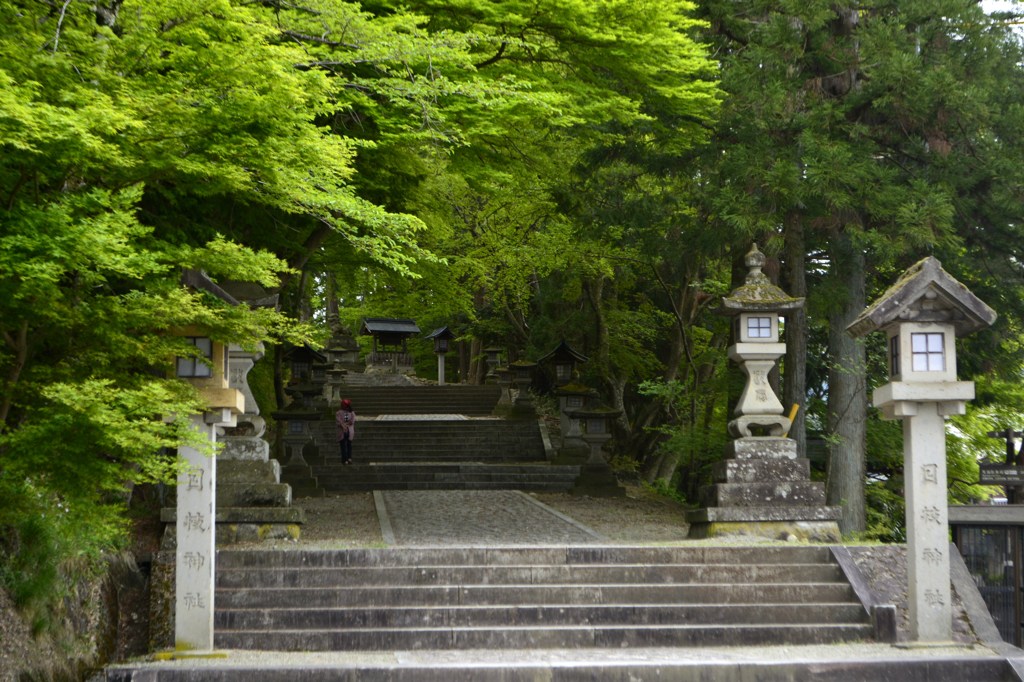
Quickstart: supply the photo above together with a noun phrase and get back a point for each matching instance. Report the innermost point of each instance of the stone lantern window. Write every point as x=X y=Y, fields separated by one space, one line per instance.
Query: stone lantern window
x=928 y=351
x=193 y=367
x=597 y=425
x=922 y=351
x=759 y=328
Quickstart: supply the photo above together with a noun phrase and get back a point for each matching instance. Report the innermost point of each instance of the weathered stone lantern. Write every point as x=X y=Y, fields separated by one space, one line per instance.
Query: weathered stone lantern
x=195 y=515
x=921 y=315
x=522 y=377
x=596 y=476
x=493 y=359
x=762 y=489
x=755 y=308
x=441 y=337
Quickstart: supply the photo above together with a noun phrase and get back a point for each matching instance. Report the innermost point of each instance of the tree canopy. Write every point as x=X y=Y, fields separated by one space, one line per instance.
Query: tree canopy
x=521 y=172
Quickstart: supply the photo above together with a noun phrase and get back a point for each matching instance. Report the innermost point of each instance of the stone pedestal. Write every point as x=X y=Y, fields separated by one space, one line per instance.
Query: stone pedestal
x=764 y=490
x=252 y=502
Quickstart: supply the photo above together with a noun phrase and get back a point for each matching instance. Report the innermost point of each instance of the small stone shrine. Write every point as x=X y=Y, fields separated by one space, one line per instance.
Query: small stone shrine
x=921 y=315
x=762 y=489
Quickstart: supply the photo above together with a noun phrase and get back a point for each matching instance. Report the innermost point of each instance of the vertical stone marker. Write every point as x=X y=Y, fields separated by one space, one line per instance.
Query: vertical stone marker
x=193 y=582
x=921 y=315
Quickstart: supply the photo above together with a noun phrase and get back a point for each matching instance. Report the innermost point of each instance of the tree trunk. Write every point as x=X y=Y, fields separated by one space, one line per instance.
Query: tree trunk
x=847 y=391
x=795 y=382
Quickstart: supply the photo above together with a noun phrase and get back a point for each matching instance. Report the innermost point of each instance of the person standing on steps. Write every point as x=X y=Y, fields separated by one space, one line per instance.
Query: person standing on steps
x=345 y=418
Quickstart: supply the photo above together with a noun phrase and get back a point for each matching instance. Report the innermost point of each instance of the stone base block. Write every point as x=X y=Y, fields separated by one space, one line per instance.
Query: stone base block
x=811 y=523
x=248 y=471
x=597 y=480
x=806 y=531
x=763 y=447
x=763 y=514
x=285 y=515
x=243 y=524
x=761 y=470
x=244 y=448
x=571 y=455
x=231 y=533
x=253 y=494
x=768 y=494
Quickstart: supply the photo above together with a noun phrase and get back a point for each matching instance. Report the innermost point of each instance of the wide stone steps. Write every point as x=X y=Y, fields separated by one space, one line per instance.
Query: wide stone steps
x=453 y=440
x=454 y=399
x=528 y=598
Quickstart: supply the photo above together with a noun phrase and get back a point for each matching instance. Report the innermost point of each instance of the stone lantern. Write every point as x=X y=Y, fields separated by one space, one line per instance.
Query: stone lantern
x=921 y=315
x=522 y=377
x=442 y=337
x=762 y=489
x=596 y=476
x=493 y=356
x=572 y=399
x=195 y=514
x=755 y=308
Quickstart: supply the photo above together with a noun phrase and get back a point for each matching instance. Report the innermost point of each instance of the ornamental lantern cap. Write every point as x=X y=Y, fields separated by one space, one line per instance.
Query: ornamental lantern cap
x=925 y=293
x=758 y=294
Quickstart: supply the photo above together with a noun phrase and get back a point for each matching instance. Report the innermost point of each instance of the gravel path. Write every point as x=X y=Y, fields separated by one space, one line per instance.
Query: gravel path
x=491 y=517
x=476 y=517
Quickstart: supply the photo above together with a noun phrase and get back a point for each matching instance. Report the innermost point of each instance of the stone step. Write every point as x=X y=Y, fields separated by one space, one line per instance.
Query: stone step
x=509 y=595
x=548 y=486
x=521 y=637
x=503 y=556
x=763 y=664
x=547 y=614
x=399 y=467
x=329 y=477
x=576 y=574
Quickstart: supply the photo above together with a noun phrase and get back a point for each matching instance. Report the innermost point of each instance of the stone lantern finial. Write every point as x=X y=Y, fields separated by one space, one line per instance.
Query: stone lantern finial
x=755 y=260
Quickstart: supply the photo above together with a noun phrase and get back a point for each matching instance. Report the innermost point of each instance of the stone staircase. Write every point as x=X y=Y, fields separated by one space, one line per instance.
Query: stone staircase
x=431 y=438
x=527 y=598
x=471 y=401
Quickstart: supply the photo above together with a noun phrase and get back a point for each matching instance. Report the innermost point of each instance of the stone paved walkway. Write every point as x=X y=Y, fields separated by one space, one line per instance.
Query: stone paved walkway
x=475 y=517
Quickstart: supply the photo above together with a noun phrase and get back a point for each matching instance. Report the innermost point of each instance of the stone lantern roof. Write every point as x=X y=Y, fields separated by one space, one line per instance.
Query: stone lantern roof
x=757 y=293
x=925 y=293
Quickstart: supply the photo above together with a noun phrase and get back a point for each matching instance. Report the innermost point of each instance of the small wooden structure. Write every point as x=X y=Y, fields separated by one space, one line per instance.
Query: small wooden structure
x=390 y=342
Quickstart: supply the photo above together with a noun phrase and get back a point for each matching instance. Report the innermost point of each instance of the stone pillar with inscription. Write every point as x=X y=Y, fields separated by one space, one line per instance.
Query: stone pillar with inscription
x=762 y=489
x=921 y=315
x=195 y=552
